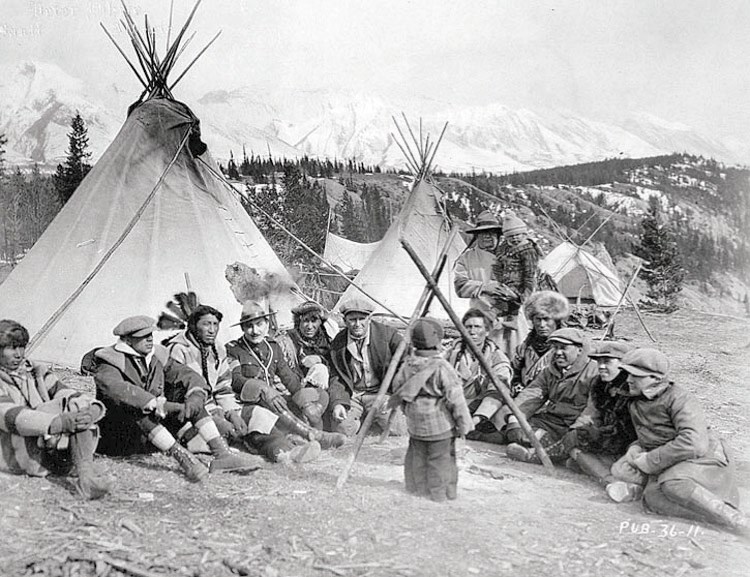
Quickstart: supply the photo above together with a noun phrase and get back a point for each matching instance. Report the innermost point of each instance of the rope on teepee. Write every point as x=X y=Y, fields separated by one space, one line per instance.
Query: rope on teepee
x=133 y=221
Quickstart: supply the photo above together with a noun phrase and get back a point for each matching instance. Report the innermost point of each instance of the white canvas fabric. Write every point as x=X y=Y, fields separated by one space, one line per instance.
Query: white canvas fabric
x=193 y=225
x=346 y=254
x=390 y=275
x=580 y=275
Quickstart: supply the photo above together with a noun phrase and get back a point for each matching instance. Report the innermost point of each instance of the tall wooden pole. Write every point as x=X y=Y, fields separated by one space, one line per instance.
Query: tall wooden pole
x=541 y=453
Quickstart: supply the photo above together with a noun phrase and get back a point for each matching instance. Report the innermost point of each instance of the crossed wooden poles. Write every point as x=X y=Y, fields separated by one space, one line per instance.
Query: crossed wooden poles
x=432 y=289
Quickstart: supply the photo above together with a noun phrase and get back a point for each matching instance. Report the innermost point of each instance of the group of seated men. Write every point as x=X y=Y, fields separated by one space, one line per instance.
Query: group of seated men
x=611 y=412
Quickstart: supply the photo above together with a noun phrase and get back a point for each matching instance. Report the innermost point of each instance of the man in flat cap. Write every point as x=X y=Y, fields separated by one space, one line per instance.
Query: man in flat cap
x=556 y=397
x=261 y=376
x=360 y=355
x=689 y=470
x=149 y=396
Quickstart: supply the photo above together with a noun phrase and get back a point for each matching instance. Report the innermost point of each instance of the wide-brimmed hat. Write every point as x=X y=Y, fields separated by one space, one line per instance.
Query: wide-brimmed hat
x=251 y=311
x=357 y=305
x=645 y=362
x=611 y=350
x=486 y=222
x=137 y=326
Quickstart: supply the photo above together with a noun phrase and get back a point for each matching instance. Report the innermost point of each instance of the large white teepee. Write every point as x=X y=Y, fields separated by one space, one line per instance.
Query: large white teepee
x=148 y=213
x=346 y=254
x=581 y=276
x=389 y=275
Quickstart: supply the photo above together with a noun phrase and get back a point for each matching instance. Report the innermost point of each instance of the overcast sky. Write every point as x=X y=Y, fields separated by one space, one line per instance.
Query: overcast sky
x=683 y=60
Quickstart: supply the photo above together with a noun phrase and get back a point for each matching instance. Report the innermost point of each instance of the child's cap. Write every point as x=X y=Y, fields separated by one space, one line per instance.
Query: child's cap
x=426 y=334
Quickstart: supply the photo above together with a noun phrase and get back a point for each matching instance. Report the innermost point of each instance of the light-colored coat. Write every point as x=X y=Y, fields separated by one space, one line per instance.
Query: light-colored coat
x=30 y=398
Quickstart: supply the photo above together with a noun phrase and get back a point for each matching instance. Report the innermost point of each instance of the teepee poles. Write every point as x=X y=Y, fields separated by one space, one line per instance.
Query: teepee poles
x=393 y=366
x=154 y=71
x=420 y=154
x=500 y=387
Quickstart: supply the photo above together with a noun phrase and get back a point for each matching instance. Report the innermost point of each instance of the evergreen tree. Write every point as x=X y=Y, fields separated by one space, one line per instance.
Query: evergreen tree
x=232 y=171
x=351 y=219
x=663 y=270
x=70 y=174
x=3 y=142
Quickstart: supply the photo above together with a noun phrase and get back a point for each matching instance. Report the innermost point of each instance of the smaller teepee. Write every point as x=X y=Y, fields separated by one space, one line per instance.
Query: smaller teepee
x=389 y=275
x=581 y=276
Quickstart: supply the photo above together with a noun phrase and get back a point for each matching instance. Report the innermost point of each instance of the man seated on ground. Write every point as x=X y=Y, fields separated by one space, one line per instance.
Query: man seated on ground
x=604 y=430
x=547 y=311
x=261 y=376
x=149 y=397
x=482 y=398
x=306 y=348
x=687 y=470
x=472 y=271
x=556 y=397
x=44 y=425
x=198 y=349
x=360 y=355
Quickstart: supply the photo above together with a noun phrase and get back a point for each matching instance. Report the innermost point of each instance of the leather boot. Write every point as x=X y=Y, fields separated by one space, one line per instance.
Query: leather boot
x=194 y=470
x=226 y=461
x=716 y=510
x=593 y=467
x=520 y=453
x=624 y=492
x=88 y=485
x=296 y=426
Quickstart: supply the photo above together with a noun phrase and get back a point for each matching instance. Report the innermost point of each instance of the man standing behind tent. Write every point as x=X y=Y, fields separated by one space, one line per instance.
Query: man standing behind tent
x=515 y=271
x=472 y=274
x=360 y=355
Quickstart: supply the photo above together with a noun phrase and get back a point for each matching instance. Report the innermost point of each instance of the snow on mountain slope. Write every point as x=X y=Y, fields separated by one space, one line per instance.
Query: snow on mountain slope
x=37 y=101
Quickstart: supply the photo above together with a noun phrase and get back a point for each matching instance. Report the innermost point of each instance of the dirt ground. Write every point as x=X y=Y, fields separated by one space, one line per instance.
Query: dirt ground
x=510 y=518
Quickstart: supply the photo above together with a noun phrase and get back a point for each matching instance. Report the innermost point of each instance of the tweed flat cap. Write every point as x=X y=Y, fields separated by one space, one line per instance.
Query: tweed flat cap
x=137 y=326
x=645 y=362
x=357 y=305
x=611 y=350
x=568 y=336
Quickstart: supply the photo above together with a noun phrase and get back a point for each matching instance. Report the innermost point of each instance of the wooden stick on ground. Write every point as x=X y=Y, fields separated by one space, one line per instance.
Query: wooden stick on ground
x=390 y=373
x=541 y=453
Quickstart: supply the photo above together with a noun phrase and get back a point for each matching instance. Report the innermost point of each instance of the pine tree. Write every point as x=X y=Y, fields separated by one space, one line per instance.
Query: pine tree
x=232 y=171
x=70 y=174
x=3 y=142
x=663 y=270
x=351 y=220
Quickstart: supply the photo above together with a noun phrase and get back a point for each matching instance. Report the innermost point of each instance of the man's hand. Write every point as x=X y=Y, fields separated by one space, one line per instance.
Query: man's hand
x=339 y=413
x=71 y=422
x=240 y=426
x=177 y=409
x=194 y=405
x=156 y=406
x=273 y=400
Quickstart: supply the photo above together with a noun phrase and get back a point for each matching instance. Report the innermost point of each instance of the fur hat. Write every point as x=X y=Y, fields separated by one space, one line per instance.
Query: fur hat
x=547 y=303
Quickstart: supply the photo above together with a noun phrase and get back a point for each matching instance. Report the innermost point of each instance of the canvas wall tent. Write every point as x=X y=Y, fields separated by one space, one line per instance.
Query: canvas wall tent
x=390 y=275
x=346 y=254
x=183 y=221
x=580 y=275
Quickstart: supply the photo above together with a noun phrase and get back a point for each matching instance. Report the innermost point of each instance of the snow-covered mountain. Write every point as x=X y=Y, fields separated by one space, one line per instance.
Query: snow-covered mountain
x=37 y=101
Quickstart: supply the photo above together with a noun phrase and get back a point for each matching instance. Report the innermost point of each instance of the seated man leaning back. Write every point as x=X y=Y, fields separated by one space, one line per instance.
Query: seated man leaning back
x=360 y=355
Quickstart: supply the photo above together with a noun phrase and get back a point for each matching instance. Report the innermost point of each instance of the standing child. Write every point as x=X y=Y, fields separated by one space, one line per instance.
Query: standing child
x=430 y=393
